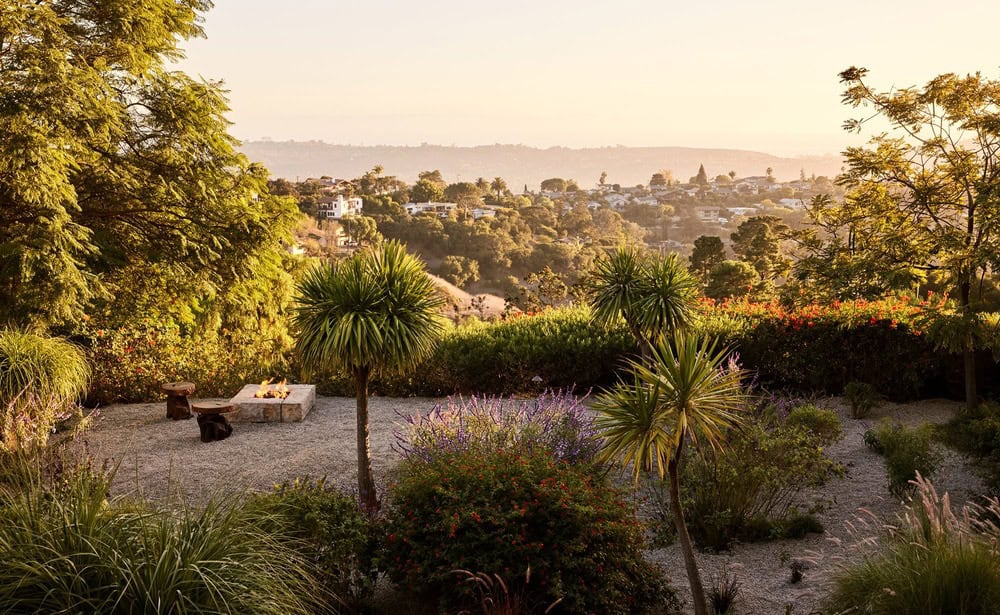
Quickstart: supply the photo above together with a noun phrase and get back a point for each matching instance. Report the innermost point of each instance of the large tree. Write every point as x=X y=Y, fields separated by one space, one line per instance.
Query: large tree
x=926 y=195
x=376 y=312
x=707 y=253
x=110 y=162
x=757 y=241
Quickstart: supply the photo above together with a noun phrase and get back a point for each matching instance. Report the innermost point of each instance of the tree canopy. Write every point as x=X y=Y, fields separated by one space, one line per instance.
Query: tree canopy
x=110 y=163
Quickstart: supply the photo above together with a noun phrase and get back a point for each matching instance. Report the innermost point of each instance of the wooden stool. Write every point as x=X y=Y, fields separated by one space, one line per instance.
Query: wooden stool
x=178 y=405
x=212 y=420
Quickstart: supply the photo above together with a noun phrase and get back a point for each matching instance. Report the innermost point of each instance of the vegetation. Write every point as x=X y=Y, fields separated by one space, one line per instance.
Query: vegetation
x=908 y=452
x=978 y=434
x=863 y=398
x=374 y=312
x=932 y=561
x=687 y=393
x=65 y=546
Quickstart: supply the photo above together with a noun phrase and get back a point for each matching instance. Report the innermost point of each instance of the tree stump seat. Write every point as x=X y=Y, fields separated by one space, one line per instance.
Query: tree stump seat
x=212 y=419
x=178 y=404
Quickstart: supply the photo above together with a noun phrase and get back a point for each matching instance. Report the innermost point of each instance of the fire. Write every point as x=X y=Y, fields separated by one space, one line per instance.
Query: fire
x=276 y=391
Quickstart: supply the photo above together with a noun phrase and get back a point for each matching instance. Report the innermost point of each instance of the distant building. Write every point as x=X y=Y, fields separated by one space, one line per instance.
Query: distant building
x=792 y=203
x=441 y=210
x=483 y=212
x=707 y=213
x=337 y=207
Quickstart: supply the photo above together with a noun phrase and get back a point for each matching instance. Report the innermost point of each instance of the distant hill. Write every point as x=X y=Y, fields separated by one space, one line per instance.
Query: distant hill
x=520 y=165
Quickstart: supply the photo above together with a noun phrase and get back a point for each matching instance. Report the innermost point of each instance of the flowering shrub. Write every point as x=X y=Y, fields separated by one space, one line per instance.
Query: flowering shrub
x=500 y=512
x=130 y=363
x=556 y=422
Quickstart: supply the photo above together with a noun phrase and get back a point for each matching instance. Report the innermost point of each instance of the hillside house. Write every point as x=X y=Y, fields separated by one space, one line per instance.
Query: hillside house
x=337 y=207
x=441 y=210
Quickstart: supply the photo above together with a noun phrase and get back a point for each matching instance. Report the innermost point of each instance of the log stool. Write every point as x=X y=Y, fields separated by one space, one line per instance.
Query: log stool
x=212 y=420
x=178 y=405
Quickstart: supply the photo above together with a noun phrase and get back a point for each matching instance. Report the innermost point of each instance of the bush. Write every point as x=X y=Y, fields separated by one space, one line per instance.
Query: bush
x=556 y=422
x=64 y=547
x=978 y=434
x=822 y=423
x=40 y=381
x=746 y=494
x=906 y=451
x=501 y=512
x=328 y=529
x=863 y=398
x=933 y=561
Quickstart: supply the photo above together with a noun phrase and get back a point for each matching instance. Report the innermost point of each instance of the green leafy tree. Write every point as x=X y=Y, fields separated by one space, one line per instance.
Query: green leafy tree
x=686 y=395
x=554 y=184
x=108 y=158
x=459 y=270
x=375 y=312
x=702 y=177
x=426 y=191
x=708 y=252
x=926 y=195
x=604 y=178
x=433 y=177
x=361 y=229
x=658 y=180
x=499 y=187
x=653 y=293
x=731 y=279
x=757 y=241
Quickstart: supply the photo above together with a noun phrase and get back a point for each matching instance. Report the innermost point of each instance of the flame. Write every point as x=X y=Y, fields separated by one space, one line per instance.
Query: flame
x=277 y=391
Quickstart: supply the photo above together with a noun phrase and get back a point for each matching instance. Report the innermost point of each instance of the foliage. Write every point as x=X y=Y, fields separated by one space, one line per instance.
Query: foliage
x=728 y=278
x=708 y=252
x=328 y=529
x=500 y=512
x=556 y=422
x=495 y=598
x=757 y=242
x=40 y=381
x=932 y=561
x=748 y=494
x=978 y=434
x=724 y=593
x=653 y=293
x=111 y=159
x=65 y=547
x=862 y=397
x=908 y=452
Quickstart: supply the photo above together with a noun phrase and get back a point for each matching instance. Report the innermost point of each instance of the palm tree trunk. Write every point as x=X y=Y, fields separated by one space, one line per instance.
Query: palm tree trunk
x=366 y=482
x=694 y=577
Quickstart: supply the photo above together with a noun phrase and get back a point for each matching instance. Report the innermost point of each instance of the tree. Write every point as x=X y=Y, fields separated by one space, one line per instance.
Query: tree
x=375 y=312
x=604 y=178
x=361 y=229
x=658 y=180
x=110 y=163
x=686 y=395
x=459 y=270
x=433 y=177
x=757 y=241
x=732 y=175
x=723 y=179
x=701 y=178
x=927 y=194
x=731 y=279
x=554 y=184
x=426 y=191
x=653 y=293
x=708 y=252
x=770 y=175
x=499 y=186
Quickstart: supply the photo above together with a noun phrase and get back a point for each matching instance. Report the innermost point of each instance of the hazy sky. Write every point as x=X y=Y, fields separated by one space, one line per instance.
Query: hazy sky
x=702 y=73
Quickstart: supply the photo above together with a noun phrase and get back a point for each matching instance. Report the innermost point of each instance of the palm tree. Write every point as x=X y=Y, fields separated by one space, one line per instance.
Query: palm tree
x=687 y=394
x=654 y=294
x=375 y=312
x=499 y=186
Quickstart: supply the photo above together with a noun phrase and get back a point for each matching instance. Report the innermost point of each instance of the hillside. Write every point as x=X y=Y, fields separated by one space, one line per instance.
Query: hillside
x=520 y=165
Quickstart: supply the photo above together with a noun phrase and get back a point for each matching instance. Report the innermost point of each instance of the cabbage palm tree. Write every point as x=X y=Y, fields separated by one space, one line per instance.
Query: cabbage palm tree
x=654 y=294
x=686 y=395
x=375 y=312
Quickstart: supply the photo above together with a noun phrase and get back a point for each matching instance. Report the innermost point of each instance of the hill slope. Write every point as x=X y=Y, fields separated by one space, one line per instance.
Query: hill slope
x=520 y=165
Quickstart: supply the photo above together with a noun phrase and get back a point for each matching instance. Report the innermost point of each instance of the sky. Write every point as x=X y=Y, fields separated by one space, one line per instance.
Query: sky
x=758 y=75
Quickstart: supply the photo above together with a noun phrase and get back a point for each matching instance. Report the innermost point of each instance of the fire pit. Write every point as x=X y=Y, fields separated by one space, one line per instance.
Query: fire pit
x=274 y=403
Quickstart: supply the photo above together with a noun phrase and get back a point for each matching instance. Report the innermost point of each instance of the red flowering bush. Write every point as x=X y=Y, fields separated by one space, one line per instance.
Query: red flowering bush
x=503 y=512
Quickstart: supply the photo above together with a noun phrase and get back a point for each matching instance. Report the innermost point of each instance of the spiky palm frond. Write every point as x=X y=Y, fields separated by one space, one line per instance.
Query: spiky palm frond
x=378 y=309
x=615 y=284
x=666 y=296
x=686 y=392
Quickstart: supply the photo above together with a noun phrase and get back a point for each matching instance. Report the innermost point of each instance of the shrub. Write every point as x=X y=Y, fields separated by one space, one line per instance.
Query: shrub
x=863 y=398
x=906 y=451
x=747 y=493
x=328 y=529
x=822 y=423
x=556 y=422
x=501 y=512
x=40 y=381
x=933 y=561
x=64 y=547
x=978 y=434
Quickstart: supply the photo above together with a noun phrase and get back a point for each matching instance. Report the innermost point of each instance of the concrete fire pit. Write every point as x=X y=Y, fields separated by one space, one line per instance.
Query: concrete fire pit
x=291 y=409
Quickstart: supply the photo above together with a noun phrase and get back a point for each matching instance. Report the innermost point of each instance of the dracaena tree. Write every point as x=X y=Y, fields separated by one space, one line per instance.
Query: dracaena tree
x=375 y=312
x=686 y=394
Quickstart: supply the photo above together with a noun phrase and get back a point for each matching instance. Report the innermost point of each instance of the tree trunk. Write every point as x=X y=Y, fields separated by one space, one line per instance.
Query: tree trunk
x=694 y=577
x=968 y=353
x=366 y=483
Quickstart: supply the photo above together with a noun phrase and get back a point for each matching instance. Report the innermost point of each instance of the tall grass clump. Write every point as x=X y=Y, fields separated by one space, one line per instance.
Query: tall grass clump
x=40 y=381
x=65 y=547
x=932 y=561
x=556 y=421
x=908 y=452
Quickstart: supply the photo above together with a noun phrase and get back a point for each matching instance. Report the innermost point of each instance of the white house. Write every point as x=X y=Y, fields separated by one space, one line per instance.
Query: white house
x=483 y=212
x=792 y=203
x=441 y=210
x=707 y=213
x=337 y=207
x=616 y=201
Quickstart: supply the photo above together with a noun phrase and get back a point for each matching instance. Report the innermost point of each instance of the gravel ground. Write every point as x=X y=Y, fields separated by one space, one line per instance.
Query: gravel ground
x=158 y=457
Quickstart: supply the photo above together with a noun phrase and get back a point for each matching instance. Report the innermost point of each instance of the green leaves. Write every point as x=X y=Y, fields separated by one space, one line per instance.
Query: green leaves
x=377 y=310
